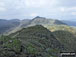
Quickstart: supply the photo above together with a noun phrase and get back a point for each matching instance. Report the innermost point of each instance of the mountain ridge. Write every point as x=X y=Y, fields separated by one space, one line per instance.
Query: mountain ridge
x=16 y=24
x=70 y=23
x=37 y=41
x=39 y=37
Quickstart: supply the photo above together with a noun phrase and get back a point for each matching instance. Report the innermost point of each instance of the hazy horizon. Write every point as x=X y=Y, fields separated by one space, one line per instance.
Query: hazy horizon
x=28 y=9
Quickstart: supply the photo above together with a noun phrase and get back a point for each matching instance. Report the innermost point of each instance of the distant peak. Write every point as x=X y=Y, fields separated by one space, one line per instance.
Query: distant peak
x=39 y=17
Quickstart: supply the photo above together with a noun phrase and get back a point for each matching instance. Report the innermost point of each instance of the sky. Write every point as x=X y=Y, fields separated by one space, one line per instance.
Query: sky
x=28 y=9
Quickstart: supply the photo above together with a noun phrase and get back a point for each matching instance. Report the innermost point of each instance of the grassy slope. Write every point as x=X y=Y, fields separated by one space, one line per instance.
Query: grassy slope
x=65 y=34
x=62 y=27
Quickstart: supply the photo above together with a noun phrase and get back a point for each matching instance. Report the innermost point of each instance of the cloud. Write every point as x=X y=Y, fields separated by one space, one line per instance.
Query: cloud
x=2 y=9
x=31 y=8
x=2 y=6
x=62 y=9
x=34 y=3
x=73 y=13
x=33 y=14
x=72 y=8
x=39 y=3
x=67 y=8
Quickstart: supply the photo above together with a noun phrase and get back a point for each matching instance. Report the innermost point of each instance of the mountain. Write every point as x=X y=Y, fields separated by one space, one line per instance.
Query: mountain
x=38 y=40
x=40 y=21
x=25 y=22
x=45 y=21
x=39 y=37
x=62 y=27
x=66 y=38
x=37 y=21
x=65 y=34
x=70 y=23
x=7 y=25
